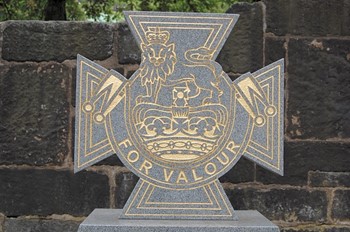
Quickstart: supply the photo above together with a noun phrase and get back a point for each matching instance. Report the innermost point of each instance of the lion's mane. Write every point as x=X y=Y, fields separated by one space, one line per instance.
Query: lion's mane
x=150 y=72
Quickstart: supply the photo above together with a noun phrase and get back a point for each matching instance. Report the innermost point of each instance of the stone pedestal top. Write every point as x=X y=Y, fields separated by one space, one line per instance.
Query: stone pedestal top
x=107 y=220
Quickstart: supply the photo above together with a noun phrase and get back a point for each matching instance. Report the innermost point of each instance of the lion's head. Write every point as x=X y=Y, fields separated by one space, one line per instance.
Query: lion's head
x=158 y=61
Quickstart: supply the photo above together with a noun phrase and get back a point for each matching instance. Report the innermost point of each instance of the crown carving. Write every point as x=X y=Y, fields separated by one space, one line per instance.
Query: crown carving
x=180 y=148
x=156 y=36
x=180 y=133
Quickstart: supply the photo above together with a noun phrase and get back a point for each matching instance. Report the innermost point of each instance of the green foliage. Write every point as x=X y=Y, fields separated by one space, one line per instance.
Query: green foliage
x=21 y=9
x=187 y=5
x=99 y=10
x=35 y=9
x=75 y=10
x=106 y=10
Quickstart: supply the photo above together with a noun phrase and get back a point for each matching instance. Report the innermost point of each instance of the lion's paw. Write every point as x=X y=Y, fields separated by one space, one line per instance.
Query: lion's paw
x=144 y=99
x=209 y=101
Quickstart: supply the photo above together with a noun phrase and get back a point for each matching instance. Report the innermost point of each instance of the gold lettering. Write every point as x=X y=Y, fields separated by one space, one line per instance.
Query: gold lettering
x=231 y=146
x=133 y=156
x=182 y=177
x=126 y=143
x=207 y=168
x=195 y=175
x=167 y=175
x=223 y=162
x=146 y=165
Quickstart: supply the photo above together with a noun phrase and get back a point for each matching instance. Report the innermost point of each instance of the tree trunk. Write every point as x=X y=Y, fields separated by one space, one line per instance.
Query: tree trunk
x=55 y=10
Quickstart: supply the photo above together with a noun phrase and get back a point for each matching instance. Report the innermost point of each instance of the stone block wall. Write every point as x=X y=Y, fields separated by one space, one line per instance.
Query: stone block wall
x=40 y=192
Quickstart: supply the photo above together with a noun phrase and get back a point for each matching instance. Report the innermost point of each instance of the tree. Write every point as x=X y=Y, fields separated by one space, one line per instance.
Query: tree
x=41 y=10
x=55 y=10
x=21 y=9
x=101 y=10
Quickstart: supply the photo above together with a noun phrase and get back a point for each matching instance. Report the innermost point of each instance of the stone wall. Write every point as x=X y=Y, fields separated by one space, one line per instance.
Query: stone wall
x=38 y=190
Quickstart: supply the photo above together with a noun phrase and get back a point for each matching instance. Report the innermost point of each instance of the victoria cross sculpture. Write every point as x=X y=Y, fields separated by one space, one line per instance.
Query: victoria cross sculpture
x=180 y=122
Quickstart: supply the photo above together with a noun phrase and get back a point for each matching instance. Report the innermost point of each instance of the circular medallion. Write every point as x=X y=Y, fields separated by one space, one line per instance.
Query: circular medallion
x=177 y=126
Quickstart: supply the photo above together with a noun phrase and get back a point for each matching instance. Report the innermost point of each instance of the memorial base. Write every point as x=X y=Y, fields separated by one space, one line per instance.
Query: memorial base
x=107 y=220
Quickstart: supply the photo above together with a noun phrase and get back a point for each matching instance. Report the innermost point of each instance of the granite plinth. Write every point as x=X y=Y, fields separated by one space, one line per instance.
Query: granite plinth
x=107 y=220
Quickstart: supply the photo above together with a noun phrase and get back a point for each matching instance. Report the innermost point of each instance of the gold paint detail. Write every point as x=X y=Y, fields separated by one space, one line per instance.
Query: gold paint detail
x=210 y=168
x=266 y=153
x=178 y=124
x=259 y=120
x=167 y=175
x=99 y=117
x=189 y=142
x=211 y=190
x=89 y=147
x=270 y=111
x=195 y=177
x=133 y=156
x=88 y=107
x=182 y=177
x=146 y=166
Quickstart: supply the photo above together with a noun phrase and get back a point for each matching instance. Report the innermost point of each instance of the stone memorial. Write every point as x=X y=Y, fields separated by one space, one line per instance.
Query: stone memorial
x=179 y=123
